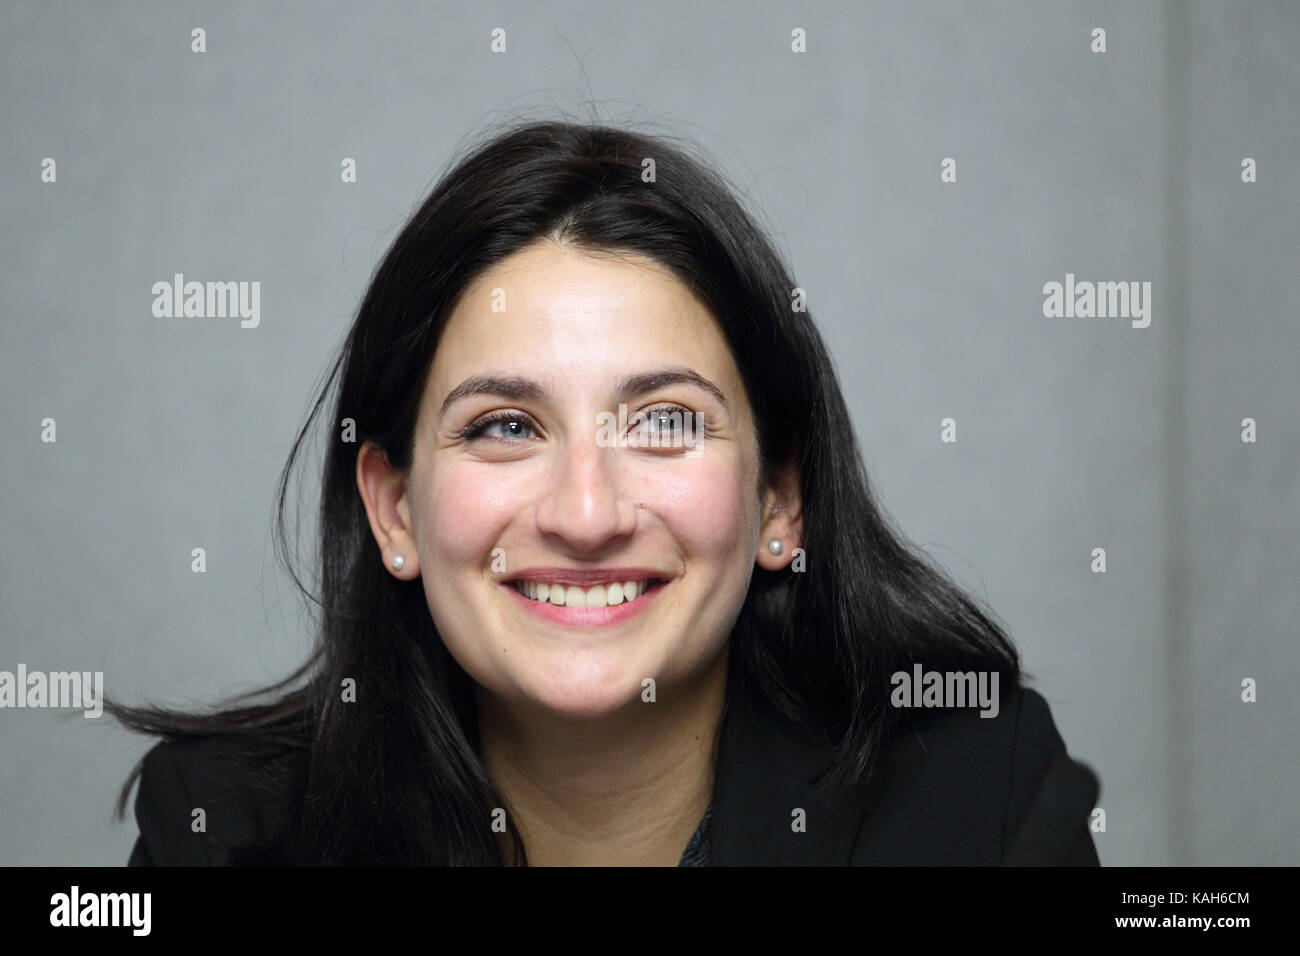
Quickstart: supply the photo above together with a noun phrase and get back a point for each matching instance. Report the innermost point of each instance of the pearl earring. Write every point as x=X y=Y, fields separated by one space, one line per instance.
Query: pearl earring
x=398 y=562
x=775 y=546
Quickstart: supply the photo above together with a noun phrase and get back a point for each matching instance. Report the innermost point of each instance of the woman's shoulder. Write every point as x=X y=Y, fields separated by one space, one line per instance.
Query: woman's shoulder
x=946 y=787
x=212 y=801
x=993 y=785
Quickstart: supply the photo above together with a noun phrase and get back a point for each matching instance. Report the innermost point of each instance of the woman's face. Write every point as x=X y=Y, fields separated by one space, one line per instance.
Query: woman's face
x=514 y=478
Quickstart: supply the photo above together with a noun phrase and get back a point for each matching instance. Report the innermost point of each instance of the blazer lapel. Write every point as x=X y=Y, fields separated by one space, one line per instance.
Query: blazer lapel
x=765 y=772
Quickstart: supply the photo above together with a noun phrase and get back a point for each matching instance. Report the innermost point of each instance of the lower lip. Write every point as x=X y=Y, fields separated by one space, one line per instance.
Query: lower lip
x=587 y=616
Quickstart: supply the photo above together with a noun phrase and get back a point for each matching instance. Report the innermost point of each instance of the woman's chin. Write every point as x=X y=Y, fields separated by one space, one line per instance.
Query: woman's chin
x=588 y=699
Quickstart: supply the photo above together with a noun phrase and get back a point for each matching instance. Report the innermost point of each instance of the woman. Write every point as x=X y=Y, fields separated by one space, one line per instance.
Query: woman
x=601 y=579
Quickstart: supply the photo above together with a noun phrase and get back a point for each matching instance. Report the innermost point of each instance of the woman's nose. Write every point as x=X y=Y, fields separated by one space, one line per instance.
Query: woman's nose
x=582 y=501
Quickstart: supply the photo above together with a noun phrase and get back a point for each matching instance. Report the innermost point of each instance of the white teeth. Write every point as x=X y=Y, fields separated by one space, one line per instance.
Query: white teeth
x=601 y=595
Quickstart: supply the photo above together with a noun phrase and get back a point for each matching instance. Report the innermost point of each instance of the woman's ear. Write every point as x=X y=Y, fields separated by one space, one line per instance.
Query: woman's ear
x=383 y=491
x=782 y=520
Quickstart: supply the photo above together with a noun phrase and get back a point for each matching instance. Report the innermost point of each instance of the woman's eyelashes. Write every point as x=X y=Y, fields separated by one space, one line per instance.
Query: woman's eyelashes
x=515 y=423
x=667 y=426
x=664 y=426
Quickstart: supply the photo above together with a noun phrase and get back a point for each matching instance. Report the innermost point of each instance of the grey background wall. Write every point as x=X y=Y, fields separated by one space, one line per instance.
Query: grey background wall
x=1072 y=433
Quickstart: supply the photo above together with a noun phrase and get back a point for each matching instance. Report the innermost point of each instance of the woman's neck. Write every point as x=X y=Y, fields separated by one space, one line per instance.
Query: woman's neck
x=627 y=790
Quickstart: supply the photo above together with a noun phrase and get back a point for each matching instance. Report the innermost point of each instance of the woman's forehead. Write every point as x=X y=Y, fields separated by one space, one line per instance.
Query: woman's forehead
x=553 y=313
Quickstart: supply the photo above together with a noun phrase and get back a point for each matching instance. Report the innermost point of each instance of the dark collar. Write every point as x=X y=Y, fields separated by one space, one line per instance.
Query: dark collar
x=765 y=772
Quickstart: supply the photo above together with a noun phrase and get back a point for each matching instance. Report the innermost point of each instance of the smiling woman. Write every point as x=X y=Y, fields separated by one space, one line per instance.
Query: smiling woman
x=547 y=639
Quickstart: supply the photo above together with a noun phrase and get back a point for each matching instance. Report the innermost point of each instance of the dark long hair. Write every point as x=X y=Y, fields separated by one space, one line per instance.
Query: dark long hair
x=396 y=775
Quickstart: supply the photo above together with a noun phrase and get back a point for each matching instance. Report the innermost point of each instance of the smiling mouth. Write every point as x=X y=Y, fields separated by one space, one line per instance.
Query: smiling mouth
x=612 y=594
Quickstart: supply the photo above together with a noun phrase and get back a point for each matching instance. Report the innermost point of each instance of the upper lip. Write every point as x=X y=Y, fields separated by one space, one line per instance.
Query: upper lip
x=586 y=578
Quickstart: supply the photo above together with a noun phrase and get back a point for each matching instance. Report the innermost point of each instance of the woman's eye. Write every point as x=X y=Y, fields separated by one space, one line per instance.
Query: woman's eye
x=508 y=427
x=670 y=425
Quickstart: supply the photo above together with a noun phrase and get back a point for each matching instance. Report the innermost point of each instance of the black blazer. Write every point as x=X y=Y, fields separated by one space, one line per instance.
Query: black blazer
x=955 y=789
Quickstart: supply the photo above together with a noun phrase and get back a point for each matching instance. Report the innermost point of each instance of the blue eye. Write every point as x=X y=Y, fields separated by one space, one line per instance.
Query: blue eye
x=666 y=419
x=515 y=427
x=672 y=423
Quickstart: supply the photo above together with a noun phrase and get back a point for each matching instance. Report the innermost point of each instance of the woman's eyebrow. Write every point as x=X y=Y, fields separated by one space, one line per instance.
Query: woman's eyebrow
x=506 y=386
x=520 y=388
x=648 y=381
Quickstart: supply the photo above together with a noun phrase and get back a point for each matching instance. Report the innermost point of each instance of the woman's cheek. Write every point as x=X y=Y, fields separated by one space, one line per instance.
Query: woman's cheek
x=704 y=505
x=467 y=512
